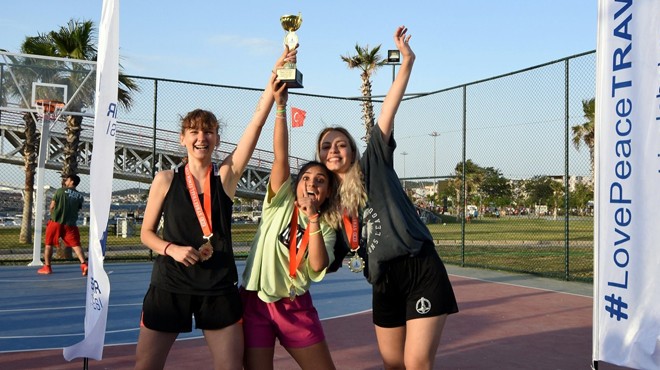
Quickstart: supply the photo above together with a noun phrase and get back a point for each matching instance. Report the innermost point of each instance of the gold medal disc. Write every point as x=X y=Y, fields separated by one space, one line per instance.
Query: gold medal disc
x=206 y=250
x=356 y=263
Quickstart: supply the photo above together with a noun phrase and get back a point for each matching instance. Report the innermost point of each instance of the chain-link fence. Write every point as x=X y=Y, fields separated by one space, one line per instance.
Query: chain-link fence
x=491 y=164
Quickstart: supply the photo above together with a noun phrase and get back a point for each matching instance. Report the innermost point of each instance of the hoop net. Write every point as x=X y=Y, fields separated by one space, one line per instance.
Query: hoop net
x=49 y=109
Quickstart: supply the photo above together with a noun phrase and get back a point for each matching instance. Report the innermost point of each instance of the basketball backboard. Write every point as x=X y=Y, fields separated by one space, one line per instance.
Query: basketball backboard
x=26 y=79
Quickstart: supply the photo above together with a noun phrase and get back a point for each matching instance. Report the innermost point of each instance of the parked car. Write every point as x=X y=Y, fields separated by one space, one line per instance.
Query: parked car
x=472 y=211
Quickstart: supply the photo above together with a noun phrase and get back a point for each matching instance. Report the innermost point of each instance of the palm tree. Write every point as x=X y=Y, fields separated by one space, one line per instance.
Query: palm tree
x=76 y=40
x=24 y=76
x=29 y=150
x=557 y=196
x=368 y=61
x=584 y=133
x=474 y=176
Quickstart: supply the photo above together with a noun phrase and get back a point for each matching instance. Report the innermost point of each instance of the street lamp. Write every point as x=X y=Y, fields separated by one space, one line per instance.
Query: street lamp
x=393 y=59
x=435 y=135
x=404 y=154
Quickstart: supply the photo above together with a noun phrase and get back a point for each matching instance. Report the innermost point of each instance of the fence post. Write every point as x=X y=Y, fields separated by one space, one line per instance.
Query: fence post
x=464 y=185
x=566 y=170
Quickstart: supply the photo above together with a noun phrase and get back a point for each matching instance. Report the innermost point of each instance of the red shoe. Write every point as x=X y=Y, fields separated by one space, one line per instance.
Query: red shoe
x=46 y=270
x=83 y=268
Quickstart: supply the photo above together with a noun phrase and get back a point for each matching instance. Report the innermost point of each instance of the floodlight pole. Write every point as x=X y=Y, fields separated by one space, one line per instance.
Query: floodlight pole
x=434 y=135
x=41 y=169
x=393 y=59
x=404 y=154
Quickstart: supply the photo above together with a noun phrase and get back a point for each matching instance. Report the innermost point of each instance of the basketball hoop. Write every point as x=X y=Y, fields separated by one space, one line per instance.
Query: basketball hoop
x=49 y=109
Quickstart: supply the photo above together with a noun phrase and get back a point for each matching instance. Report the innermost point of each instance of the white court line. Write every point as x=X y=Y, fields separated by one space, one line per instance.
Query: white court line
x=64 y=335
x=42 y=280
x=64 y=308
x=522 y=286
x=127 y=330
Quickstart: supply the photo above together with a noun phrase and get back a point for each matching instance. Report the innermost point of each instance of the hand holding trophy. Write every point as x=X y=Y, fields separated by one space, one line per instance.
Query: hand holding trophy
x=289 y=74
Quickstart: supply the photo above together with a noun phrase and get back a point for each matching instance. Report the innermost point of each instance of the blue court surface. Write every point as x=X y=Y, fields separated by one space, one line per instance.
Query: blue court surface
x=47 y=311
x=507 y=321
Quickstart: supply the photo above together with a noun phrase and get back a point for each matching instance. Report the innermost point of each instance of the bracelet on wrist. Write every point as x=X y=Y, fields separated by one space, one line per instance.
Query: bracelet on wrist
x=315 y=232
x=165 y=249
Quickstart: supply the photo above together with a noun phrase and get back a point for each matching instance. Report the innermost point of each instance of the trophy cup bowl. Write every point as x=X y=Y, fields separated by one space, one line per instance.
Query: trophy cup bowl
x=289 y=74
x=291 y=23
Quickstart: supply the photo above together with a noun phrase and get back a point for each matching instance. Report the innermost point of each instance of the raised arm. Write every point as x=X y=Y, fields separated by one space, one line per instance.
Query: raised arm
x=398 y=88
x=281 y=169
x=233 y=166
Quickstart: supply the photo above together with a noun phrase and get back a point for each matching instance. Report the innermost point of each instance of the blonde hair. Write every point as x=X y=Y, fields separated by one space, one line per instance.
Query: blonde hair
x=351 y=191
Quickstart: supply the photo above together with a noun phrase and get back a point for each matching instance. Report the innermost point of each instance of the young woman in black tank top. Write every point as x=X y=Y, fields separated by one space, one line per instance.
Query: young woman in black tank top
x=195 y=274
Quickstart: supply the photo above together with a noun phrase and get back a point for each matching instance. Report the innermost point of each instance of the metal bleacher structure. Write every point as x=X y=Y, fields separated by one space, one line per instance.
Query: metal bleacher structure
x=140 y=151
x=137 y=156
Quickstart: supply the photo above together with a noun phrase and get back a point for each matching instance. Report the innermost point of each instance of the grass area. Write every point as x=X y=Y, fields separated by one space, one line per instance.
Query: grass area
x=515 y=229
x=528 y=245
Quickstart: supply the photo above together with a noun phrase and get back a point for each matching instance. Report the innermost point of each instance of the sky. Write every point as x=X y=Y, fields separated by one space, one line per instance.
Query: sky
x=234 y=42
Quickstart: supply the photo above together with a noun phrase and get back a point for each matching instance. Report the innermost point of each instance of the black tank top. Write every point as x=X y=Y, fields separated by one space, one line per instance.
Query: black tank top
x=216 y=276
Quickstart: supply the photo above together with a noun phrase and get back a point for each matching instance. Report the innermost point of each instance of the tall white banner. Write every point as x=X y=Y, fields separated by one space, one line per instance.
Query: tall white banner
x=101 y=173
x=627 y=225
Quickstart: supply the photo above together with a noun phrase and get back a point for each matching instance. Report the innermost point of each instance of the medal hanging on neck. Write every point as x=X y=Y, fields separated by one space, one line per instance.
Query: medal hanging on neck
x=296 y=254
x=352 y=227
x=203 y=213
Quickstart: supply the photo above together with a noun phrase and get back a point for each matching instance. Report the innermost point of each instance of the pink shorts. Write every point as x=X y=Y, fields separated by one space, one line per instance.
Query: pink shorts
x=295 y=323
x=69 y=234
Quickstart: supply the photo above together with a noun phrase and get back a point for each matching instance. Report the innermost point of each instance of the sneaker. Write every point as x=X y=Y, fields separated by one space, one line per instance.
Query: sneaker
x=46 y=270
x=83 y=268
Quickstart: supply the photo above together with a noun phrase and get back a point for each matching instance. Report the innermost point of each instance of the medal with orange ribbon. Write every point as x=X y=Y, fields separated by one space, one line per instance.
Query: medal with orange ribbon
x=296 y=254
x=351 y=225
x=203 y=213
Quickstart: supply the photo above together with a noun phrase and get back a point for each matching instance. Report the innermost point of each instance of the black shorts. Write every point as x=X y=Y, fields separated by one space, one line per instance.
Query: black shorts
x=412 y=288
x=172 y=312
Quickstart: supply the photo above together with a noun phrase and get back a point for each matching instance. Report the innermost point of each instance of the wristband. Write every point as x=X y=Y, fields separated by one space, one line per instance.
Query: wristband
x=165 y=250
x=315 y=232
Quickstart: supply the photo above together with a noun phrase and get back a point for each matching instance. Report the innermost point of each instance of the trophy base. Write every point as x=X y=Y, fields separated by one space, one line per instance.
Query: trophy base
x=291 y=76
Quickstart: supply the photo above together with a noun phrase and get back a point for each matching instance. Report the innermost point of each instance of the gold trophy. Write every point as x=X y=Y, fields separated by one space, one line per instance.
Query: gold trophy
x=289 y=74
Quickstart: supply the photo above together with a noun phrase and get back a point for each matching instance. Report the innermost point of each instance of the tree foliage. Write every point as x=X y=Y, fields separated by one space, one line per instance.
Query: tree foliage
x=367 y=61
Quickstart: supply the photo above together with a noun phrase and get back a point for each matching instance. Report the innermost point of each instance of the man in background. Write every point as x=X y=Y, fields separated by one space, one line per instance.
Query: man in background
x=64 y=208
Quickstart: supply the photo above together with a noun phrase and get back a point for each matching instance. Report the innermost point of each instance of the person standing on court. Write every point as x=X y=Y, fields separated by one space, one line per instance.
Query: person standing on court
x=63 y=223
x=411 y=292
x=292 y=248
x=195 y=274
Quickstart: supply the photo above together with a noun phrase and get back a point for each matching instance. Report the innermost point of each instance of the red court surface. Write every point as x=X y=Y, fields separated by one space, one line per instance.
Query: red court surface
x=506 y=321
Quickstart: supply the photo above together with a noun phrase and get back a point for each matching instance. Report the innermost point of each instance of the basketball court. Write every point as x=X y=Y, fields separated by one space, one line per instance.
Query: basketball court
x=506 y=321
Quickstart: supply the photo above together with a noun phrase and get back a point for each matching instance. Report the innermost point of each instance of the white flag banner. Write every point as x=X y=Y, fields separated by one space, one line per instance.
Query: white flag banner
x=627 y=224
x=101 y=173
